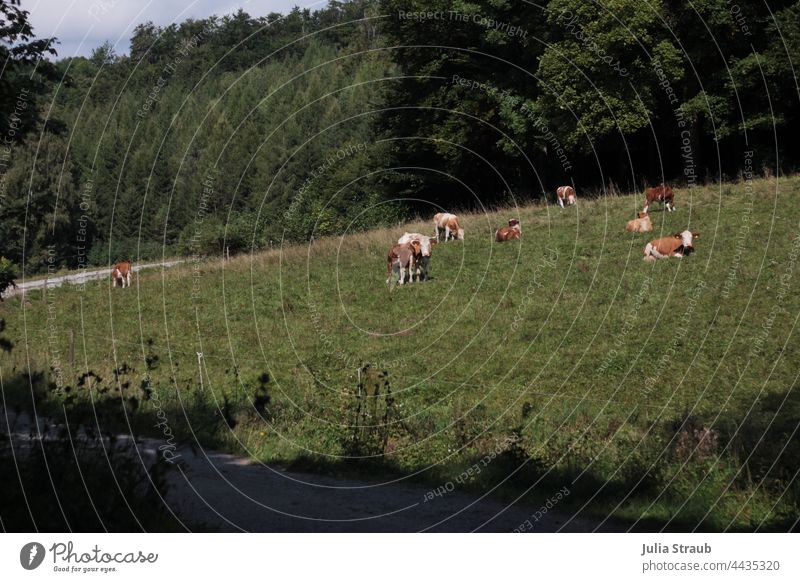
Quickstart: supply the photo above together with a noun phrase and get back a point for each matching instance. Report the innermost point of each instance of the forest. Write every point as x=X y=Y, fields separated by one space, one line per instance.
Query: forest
x=237 y=133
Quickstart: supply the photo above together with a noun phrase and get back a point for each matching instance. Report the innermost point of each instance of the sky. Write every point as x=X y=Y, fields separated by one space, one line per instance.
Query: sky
x=82 y=25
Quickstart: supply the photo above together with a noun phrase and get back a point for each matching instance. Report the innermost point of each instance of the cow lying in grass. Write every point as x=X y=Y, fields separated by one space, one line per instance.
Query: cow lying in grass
x=448 y=224
x=640 y=224
x=402 y=259
x=510 y=232
x=121 y=274
x=425 y=245
x=677 y=245
x=566 y=194
x=663 y=194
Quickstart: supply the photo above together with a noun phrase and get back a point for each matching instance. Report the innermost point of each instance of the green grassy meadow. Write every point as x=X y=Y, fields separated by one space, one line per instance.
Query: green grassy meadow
x=661 y=394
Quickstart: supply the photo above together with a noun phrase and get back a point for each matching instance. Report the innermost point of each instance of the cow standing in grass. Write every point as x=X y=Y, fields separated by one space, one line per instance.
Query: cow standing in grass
x=511 y=232
x=641 y=223
x=663 y=194
x=425 y=246
x=566 y=194
x=121 y=274
x=678 y=245
x=447 y=223
x=402 y=259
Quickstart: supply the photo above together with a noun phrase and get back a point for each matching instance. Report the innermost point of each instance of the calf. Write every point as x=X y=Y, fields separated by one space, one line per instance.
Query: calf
x=677 y=245
x=510 y=232
x=121 y=274
x=448 y=223
x=640 y=224
x=425 y=245
x=663 y=194
x=566 y=193
x=402 y=259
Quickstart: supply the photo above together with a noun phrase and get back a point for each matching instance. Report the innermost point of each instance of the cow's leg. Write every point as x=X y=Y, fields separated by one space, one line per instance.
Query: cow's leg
x=651 y=253
x=128 y=279
x=561 y=202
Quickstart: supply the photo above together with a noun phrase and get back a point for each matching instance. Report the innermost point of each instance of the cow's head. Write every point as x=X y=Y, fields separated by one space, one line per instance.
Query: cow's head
x=642 y=215
x=425 y=245
x=512 y=222
x=687 y=238
x=460 y=235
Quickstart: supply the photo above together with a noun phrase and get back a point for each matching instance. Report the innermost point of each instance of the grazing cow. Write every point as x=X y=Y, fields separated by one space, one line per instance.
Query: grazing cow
x=448 y=223
x=425 y=245
x=510 y=232
x=402 y=259
x=121 y=274
x=640 y=224
x=663 y=194
x=566 y=193
x=677 y=245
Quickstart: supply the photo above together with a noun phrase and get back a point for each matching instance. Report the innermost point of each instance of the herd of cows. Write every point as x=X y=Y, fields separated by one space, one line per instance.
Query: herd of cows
x=408 y=259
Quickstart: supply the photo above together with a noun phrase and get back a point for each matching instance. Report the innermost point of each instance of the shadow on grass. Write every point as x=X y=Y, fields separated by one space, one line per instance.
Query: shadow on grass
x=762 y=452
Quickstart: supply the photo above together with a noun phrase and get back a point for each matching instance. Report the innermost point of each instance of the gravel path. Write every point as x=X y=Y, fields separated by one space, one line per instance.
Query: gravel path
x=222 y=492
x=80 y=277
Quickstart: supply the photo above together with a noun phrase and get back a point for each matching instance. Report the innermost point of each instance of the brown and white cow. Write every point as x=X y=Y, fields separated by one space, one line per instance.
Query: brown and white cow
x=121 y=274
x=566 y=194
x=663 y=194
x=511 y=232
x=641 y=223
x=678 y=245
x=447 y=223
x=402 y=259
x=425 y=245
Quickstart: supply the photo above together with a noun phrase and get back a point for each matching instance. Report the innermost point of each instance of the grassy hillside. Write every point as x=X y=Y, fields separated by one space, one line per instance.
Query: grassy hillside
x=657 y=393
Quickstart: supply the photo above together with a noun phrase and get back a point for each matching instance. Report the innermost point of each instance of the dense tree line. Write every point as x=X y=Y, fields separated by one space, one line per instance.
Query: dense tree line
x=224 y=132
x=592 y=92
x=239 y=131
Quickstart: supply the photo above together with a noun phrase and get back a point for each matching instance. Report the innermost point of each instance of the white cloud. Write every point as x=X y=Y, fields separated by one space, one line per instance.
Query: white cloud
x=82 y=25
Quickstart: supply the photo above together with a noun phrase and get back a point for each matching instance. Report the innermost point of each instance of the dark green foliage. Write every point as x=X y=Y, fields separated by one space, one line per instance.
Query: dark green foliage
x=216 y=135
x=588 y=92
x=59 y=485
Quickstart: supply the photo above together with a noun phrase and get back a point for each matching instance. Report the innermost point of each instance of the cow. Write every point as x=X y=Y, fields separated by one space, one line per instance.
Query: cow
x=663 y=194
x=447 y=223
x=641 y=223
x=510 y=232
x=402 y=259
x=121 y=274
x=566 y=193
x=678 y=245
x=425 y=245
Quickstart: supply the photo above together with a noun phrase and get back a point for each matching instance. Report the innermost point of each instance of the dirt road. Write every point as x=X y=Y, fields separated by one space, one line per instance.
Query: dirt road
x=80 y=277
x=222 y=492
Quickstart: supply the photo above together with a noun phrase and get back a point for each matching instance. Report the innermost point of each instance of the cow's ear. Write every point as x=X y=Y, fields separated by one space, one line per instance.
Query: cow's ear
x=678 y=235
x=695 y=235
